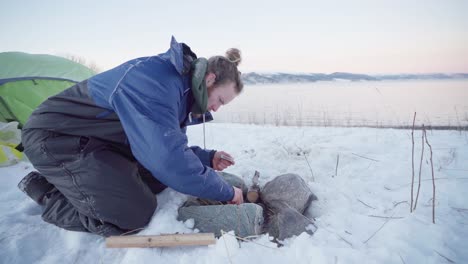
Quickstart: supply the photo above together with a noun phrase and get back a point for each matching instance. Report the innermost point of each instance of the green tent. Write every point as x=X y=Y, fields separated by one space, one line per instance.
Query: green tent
x=26 y=80
x=10 y=137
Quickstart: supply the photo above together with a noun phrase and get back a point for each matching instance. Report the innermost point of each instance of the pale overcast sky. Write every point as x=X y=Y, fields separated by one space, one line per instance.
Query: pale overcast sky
x=294 y=36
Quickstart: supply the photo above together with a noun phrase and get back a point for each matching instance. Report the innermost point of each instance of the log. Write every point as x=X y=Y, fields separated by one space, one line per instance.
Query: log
x=171 y=240
x=253 y=194
x=254 y=190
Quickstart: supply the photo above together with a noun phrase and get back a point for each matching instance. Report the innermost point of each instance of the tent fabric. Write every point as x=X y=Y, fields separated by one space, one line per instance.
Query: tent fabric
x=20 y=64
x=22 y=97
x=26 y=80
x=10 y=136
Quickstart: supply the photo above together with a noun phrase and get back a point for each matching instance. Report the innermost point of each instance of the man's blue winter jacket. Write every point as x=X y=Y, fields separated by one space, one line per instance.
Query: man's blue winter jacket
x=145 y=104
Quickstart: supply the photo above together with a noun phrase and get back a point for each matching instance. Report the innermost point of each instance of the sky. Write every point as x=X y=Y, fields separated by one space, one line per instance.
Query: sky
x=368 y=36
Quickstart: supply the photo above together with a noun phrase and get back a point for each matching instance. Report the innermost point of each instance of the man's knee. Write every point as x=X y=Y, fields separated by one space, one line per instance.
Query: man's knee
x=32 y=140
x=137 y=215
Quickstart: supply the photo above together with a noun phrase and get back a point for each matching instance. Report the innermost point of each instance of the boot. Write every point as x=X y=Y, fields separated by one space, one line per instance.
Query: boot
x=35 y=186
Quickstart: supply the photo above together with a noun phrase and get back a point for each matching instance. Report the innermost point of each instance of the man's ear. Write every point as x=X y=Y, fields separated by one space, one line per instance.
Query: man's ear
x=210 y=79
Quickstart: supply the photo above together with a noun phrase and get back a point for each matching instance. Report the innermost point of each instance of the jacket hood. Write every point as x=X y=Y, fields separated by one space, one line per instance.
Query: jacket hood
x=180 y=55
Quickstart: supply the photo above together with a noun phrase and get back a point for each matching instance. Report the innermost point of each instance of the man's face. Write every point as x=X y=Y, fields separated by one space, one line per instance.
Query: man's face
x=220 y=95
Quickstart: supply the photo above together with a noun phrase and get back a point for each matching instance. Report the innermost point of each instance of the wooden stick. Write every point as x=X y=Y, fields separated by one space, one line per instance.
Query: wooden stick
x=337 y=162
x=412 y=164
x=402 y=260
x=172 y=240
x=386 y=221
x=311 y=172
x=420 y=169
x=386 y=217
x=449 y=260
x=459 y=209
x=433 y=179
x=366 y=204
x=364 y=157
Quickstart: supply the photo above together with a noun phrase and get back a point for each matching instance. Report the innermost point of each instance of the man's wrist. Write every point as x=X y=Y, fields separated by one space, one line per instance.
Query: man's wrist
x=233 y=193
x=212 y=153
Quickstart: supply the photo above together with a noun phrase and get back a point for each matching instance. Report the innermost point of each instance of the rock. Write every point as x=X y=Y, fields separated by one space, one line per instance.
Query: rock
x=231 y=179
x=285 y=199
x=287 y=190
x=245 y=219
x=288 y=222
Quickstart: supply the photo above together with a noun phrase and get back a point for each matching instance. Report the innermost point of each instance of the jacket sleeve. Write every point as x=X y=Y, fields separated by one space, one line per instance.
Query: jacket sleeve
x=205 y=155
x=146 y=100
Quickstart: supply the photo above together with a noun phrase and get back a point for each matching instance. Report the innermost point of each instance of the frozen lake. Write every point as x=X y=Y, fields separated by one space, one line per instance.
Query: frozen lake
x=345 y=103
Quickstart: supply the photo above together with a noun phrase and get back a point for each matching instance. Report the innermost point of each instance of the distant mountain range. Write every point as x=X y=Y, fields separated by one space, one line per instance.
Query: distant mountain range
x=265 y=78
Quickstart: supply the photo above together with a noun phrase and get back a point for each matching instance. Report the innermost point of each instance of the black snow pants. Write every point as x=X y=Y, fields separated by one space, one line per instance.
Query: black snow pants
x=99 y=187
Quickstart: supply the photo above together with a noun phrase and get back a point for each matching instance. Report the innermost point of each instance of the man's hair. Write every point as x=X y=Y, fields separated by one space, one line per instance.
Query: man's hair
x=225 y=68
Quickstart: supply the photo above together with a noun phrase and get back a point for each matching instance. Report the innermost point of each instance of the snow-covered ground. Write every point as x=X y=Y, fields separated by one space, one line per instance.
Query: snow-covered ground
x=372 y=181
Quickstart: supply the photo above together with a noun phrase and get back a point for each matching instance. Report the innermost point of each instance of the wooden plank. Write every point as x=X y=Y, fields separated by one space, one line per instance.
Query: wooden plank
x=172 y=240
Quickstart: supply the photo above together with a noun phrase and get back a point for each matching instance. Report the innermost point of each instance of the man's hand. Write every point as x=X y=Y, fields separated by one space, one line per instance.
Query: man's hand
x=222 y=160
x=238 y=197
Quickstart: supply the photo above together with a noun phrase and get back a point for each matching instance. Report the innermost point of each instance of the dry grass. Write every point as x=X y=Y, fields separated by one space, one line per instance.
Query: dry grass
x=296 y=117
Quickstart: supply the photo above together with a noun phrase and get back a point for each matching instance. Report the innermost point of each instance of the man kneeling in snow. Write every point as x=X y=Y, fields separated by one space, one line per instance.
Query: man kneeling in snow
x=104 y=147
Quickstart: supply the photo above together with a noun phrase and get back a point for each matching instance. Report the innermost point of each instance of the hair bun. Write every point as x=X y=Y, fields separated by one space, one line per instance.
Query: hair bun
x=234 y=56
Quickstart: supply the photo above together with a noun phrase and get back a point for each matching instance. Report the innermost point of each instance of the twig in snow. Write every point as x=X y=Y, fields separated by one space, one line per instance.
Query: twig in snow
x=347 y=242
x=5 y=237
x=342 y=238
x=225 y=245
x=420 y=169
x=396 y=204
x=386 y=217
x=337 y=162
x=459 y=128
x=441 y=178
x=311 y=172
x=449 y=260
x=402 y=260
x=459 y=209
x=287 y=151
x=365 y=157
x=412 y=163
x=366 y=204
x=246 y=239
x=386 y=221
x=454 y=169
x=307 y=160
x=433 y=179
x=368 y=166
x=132 y=231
